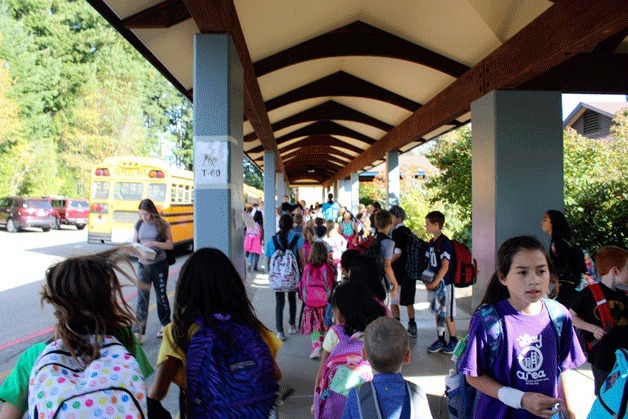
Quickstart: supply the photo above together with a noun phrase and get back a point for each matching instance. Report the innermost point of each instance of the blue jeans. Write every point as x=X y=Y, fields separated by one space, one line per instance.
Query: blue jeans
x=157 y=274
x=253 y=260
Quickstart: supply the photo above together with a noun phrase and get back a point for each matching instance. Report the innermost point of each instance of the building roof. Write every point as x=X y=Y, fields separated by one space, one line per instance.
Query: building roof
x=331 y=85
x=608 y=109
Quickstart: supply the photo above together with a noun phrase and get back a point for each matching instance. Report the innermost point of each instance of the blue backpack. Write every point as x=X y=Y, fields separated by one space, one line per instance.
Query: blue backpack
x=461 y=396
x=613 y=398
x=230 y=372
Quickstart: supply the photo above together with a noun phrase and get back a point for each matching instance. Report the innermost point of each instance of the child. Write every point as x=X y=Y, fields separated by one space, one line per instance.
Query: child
x=88 y=303
x=348 y=228
x=387 y=348
x=610 y=262
x=152 y=231
x=386 y=247
x=337 y=243
x=287 y=239
x=441 y=290
x=315 y=287
x=308 y=239
x=568 y=270
x=211 y=305
x=253 y=242
x=354 y=308
x=532 y=357
x=363 y=270
x=407 y=287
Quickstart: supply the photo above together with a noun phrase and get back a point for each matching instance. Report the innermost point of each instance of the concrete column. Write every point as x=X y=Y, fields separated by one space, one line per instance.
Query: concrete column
x=393 y=184
x=280 y=189
x=517 y=166
x=218 y=152
x=344 y=195
x=270 y=209
x=355 y=192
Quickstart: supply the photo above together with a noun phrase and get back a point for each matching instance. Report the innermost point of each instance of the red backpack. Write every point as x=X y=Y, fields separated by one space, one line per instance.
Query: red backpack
x=462 y=268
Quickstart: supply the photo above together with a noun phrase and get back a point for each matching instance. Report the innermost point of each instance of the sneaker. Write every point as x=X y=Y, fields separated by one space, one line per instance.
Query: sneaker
x=160 y=334
x=437 y=346
x=292 y=330
x=316 y=353
x=281 y=336
x=140 y=338
x=451 y=347
x=412 y=330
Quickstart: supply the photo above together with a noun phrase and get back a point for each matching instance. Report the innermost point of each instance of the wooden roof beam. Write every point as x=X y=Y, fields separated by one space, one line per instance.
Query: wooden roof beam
x=162 y=15
x=321 y=140
x=359 y=39
x=341 y=84
x=566 y=29
x=221 y=16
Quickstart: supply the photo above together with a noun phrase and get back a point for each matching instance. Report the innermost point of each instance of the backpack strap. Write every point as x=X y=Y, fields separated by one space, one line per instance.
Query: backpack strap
x=368 y=406
x=414 y=393
x=137 y=228
x=602 y=306
x=293 y=242
x=493 y=327
x=277 y=243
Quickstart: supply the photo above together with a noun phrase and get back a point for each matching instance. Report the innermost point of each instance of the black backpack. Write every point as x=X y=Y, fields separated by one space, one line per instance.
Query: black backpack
x=374 y=252
x=416 y=261
x=169 y=253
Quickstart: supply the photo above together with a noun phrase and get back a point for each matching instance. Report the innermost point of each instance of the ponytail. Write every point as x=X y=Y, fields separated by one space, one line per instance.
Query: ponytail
x=495 y=292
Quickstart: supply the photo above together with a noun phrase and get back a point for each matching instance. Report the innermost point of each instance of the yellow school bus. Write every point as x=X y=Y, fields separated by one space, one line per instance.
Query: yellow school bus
x=118 y=184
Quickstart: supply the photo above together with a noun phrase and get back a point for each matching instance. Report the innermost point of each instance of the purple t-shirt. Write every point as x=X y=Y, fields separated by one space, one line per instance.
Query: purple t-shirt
x=528 y=358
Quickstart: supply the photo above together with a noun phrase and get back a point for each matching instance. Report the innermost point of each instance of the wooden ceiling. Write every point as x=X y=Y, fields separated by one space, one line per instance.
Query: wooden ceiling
x=332 y=85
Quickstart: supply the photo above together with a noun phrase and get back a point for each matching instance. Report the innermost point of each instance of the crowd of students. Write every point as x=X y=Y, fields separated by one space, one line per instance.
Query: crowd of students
x=351 y=282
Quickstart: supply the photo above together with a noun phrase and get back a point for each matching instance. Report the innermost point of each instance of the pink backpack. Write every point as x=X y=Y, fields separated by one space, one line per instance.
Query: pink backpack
x=314 y=288
x=344 y=369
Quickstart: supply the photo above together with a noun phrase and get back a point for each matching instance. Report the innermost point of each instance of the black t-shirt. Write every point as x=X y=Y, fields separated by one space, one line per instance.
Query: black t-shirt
x=401 y=235
x=287 y=207
x=602 y=355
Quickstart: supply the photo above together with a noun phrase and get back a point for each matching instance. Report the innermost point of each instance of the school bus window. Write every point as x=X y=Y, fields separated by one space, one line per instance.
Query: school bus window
x=180 y=194
x=187 y=195
x=173 y=193
x=100 y=190
x=157 y=192
x=127 y=191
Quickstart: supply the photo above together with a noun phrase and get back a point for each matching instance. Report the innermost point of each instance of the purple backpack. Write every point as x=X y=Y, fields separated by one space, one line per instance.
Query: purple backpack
x=344 y=369
x=230 y=372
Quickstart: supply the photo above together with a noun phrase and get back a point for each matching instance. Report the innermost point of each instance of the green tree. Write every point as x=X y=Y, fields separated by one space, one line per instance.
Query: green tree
x=450 y=189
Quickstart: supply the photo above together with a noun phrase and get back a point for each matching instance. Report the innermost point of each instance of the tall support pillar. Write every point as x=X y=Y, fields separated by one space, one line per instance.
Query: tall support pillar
x=218 y=147
x=517 y=171
x=270 y=208
x=355 y=192
x=344 y=197
x=393 y=184
x=280 y=189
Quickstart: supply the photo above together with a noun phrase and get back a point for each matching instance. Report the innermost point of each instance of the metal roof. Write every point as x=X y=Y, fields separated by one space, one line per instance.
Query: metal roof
x=332 y=85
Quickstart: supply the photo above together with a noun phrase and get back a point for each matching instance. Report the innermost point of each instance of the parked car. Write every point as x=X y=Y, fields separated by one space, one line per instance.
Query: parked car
x=69 y=211
x=17 y=213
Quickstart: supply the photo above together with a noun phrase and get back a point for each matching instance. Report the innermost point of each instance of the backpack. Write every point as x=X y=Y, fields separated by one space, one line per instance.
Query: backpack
x=462 y=268
x=368 y=405
x=344 y=369
x=461 y=396
x=314 y=287
x=374 y=252
x=587 y=341
x=283 y=272
x=589 y=274
x=416 y=262
x=110 y=385
x=169 y=253
x=613 y=398
x=230 y=372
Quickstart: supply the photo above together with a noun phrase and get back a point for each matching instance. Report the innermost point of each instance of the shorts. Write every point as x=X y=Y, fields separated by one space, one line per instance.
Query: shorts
x=442 y=301
x=406 y=294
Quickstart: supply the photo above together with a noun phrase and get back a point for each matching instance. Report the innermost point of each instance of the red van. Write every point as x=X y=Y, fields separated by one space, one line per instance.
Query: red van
x=69 y=211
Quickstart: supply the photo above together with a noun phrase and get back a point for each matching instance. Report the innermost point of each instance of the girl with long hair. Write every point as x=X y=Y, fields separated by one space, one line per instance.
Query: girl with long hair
x=152 y=231
x=533 y=356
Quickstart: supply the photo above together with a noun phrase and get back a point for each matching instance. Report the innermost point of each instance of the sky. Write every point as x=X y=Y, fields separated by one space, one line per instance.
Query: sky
x=570 y=101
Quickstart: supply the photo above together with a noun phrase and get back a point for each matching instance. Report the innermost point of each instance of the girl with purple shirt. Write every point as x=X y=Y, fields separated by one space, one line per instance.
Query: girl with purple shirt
x=524 y=379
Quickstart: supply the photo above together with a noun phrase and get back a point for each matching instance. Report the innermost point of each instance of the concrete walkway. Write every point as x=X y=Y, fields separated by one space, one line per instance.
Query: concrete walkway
x=425 y=369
